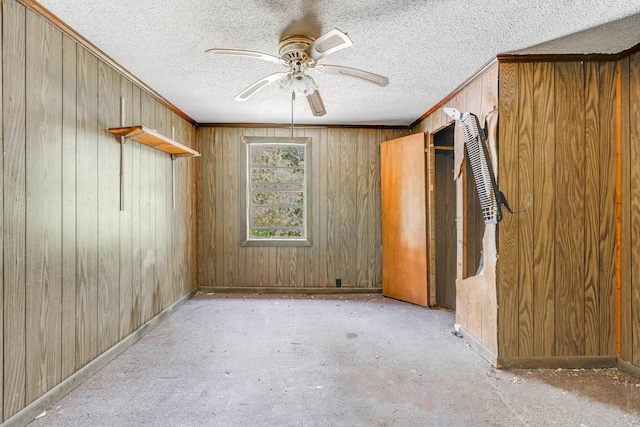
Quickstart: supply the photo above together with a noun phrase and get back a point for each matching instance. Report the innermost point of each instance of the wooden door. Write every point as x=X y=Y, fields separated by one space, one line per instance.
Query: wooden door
x=404 y=219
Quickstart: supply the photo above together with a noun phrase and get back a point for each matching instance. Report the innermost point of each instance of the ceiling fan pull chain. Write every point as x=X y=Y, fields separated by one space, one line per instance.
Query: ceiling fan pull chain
x=293 y=97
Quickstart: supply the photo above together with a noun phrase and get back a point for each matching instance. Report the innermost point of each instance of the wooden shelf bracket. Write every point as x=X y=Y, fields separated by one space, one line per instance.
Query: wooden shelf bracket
x=153 y=139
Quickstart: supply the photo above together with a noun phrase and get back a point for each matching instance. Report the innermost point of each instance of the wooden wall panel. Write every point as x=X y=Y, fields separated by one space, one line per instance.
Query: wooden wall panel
x=44 y=206
x=627 y=252
x=345 y=207
x=127 y=316
x=136 y=216
x=147 y=214
x=87 y=208
x=543 y=210
x=333 y=207
x=72 y=262
x=607 y=203
x=108 y=208
x=509 y=231
x=524 y=203
x=1 y=235
x=565 y=140
x=570 y=217
x=160 y=208
x=634 y=143
x=207 y=205
x=476 y=306
x=592 y=210
x=14 y=113
x=69 y=276
x=348 y=207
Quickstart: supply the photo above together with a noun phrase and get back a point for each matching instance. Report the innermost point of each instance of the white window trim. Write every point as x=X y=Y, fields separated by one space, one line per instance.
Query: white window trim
x=245 y=192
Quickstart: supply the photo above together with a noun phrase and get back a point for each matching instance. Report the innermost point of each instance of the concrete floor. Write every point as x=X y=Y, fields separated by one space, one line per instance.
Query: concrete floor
x=330 y=361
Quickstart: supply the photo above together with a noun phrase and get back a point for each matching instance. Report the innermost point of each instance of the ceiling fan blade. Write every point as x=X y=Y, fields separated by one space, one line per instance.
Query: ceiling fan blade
x=328 y=43
x=247 y=54
x=260 y=84
x=316 y=104
x=352 y=72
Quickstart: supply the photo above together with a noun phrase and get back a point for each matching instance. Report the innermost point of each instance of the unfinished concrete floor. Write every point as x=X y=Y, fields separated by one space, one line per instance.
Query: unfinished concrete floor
x=330 y=361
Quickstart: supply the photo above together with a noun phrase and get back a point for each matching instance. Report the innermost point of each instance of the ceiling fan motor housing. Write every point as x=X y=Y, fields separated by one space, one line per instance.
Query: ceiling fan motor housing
x=293 y=51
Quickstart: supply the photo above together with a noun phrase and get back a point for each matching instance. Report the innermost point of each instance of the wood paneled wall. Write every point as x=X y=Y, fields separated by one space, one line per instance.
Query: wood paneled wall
x=557 y=265
x=78 y=274
x=629 y=86
x=476 y=308
x=345 y=192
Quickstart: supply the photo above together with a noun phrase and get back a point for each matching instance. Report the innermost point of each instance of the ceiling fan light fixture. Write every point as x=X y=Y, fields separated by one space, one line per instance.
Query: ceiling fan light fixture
x=299 y=83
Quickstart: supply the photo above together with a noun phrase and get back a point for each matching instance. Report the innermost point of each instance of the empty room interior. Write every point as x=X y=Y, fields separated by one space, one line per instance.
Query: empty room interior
x=469 y=169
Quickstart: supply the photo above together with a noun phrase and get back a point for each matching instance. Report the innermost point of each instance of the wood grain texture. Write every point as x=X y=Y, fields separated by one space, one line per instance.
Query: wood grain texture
x=333 y=206
x=445 y=230
x=320 y=252
x=68 y=318
x=136 y=220
x=160 y=206
x=570 y=212
x=544 y=210
x=74 y=261
x=44 y=207
x=147 y=214
x=361 y=201
x=2 y=100
x=14 y=177
x=127 y=314
x=525 y=217
x=634 y=142
x=348 y=207
x=626 y=252
x=87 y=209
x=207 y=215
x=508 y=244
x=314 y=266
x=375 y=212
x=607 y=203
x=592 y=210
x=404 y=228
x=108 y=208
x=230 y=195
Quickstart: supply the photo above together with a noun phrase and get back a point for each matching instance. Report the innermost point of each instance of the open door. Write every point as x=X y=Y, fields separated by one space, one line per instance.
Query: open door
x=445 y=218
x=404 y=219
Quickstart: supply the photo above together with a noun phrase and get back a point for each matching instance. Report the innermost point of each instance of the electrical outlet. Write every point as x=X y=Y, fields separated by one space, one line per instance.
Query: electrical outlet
x=338 y=283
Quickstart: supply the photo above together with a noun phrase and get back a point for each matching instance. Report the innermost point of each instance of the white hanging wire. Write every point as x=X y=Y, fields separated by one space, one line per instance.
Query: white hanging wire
x=293 y=97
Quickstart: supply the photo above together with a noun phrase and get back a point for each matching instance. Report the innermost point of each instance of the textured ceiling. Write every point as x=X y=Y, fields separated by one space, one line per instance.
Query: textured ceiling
x=426 y=47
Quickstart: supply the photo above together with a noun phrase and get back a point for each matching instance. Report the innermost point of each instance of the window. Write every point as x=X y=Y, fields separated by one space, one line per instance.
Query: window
x=276 y=201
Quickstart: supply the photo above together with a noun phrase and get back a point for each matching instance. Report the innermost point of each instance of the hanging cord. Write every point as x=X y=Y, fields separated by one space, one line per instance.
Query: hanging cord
x=293 y=97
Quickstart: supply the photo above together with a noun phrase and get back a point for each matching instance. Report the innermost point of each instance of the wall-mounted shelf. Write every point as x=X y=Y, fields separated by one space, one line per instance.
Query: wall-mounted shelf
x=154 y=139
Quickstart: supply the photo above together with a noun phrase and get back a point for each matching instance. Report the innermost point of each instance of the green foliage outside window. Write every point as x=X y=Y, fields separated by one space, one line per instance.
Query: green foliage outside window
x=276 y=197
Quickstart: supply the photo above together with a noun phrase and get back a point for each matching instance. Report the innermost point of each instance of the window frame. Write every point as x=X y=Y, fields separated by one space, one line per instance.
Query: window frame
x=245 y=192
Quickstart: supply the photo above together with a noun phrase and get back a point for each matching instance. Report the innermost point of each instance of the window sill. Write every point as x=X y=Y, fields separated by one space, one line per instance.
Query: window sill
x=276 y=243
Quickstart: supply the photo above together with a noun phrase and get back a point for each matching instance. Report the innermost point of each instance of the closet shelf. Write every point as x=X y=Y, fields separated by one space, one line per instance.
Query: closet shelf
x=154 y=139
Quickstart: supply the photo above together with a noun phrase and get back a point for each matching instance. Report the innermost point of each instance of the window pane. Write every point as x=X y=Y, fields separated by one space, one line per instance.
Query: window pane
x=277 y=198
x=276 y=175
x=275 y=193
x=274 y=186
x=276 y=217
x=277 y=155
x=275 y=234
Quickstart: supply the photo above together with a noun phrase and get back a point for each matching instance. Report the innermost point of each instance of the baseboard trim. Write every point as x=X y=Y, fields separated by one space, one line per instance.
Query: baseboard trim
x=555 y=362
x=630 y=369
x=283 y=290
x=38 y=406
x=480 y=348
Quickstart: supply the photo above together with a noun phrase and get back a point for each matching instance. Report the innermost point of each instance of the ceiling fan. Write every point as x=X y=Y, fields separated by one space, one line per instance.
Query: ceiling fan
x=300 y=54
